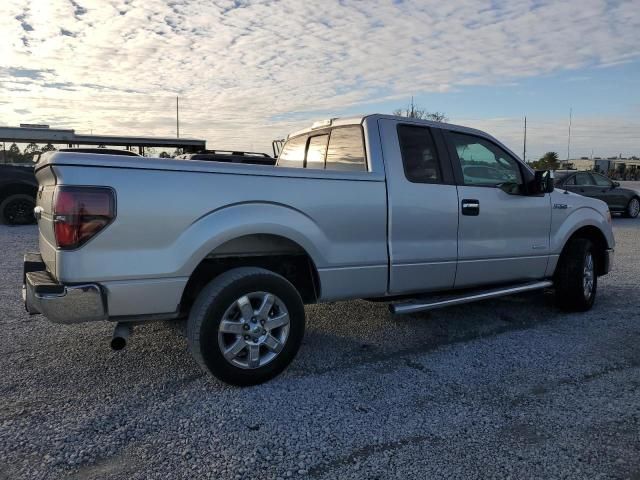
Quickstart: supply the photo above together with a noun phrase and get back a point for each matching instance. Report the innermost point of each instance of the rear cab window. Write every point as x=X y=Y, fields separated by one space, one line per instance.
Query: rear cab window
x=346 y=150
x=338 y=149
x=293 y=152
x=317 y=152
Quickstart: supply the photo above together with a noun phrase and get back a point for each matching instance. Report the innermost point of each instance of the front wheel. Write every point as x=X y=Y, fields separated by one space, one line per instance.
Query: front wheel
x=576 y=278
x=246 y=326
x=633 y=208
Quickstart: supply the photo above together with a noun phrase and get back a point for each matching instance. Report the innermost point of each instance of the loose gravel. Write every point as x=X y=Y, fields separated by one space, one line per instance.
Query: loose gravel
x=504 y=388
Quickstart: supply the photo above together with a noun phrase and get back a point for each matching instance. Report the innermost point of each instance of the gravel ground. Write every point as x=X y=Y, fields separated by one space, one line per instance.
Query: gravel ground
x=505 y=388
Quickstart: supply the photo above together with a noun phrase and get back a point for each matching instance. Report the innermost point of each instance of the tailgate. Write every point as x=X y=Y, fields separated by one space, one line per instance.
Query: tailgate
x=44 y=203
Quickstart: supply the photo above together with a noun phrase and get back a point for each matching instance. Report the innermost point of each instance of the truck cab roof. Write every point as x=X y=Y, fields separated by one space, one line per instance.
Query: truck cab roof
x=359 y=119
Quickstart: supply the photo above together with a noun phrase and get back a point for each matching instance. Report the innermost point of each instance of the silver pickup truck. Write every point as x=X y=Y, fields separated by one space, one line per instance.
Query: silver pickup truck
x=419 y=214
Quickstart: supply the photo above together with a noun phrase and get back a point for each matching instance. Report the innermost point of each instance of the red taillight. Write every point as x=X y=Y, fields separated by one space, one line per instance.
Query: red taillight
x=81 y=212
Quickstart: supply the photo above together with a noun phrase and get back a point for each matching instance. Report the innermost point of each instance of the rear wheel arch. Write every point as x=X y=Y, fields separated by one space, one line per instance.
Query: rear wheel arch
x=271 y=252
x=17 y=188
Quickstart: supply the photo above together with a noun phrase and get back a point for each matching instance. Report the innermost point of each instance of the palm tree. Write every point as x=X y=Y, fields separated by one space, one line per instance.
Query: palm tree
x=549 y=161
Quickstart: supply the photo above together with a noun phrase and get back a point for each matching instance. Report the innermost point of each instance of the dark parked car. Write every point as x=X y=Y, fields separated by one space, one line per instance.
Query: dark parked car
x=18 y=187
x=591 y=184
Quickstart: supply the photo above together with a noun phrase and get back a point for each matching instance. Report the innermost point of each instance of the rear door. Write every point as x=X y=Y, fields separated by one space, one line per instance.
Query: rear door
x=503 y=234
x=422 y=203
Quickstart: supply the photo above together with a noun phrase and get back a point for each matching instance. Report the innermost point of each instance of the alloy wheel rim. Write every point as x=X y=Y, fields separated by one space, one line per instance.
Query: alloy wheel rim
x=634 y=207
x=588 y=276
x=253 y=330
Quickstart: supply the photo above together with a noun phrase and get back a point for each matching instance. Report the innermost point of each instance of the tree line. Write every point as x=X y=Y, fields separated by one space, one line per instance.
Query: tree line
x=14 y=155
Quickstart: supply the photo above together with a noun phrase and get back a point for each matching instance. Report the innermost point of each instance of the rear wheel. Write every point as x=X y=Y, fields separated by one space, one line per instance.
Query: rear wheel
x=576 y=279
x=633 y=208
x=246 y=326
x=17 y=209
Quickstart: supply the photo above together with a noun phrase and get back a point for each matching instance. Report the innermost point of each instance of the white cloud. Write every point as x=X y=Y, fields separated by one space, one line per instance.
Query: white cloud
x=240 y=65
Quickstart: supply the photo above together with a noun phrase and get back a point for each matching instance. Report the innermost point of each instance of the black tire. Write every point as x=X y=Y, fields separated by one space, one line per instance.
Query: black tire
x=17 y=209
x=570 y=276
x=214 y=301
x=632 y=209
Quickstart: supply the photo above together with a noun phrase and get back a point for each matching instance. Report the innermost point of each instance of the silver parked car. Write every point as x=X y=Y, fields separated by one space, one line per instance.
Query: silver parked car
x=367 y=207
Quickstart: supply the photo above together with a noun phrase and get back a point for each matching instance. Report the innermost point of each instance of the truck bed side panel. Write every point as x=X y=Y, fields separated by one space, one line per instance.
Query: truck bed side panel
x=168 y=221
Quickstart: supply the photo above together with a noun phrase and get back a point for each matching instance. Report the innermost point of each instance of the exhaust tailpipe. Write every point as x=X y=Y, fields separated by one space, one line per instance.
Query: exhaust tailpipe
x=120 y=336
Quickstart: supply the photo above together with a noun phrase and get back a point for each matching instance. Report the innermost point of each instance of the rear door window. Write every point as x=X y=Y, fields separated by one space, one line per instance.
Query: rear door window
x=419 y=157
x=346 y=150
x=292 y=154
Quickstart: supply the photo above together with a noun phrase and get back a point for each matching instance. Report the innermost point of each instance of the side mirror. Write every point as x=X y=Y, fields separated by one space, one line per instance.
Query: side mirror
x=542 y=182
x=616 y=184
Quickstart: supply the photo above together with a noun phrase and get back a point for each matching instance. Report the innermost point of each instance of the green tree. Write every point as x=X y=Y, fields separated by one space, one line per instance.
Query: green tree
x=13 y=154
x=29 y=151
x=48 y=147
x=549 y=161
x=411 y=111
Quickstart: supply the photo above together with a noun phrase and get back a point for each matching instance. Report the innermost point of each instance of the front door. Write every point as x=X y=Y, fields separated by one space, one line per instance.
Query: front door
x=422 y=208
x=605 y=191
x=582 y=183
x=503 y=234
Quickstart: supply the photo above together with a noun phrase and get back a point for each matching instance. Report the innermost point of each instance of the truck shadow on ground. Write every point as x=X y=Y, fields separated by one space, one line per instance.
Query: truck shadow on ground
x=348 y=335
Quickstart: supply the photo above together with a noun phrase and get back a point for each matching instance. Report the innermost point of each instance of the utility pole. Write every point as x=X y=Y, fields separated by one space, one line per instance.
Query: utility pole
x=569 y=137
x=177 y=118
x=524 y=149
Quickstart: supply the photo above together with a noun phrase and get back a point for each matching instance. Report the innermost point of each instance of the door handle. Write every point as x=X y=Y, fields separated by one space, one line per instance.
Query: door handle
x=471 y=207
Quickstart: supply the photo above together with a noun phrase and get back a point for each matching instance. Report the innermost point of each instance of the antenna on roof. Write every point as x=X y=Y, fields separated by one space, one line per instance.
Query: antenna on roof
x=177 y=119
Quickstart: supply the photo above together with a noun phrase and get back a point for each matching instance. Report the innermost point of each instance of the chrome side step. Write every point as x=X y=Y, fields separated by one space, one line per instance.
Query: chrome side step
x=419 y=305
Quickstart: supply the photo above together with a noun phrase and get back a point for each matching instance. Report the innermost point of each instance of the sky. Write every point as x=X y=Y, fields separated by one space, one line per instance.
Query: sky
x=247 y=72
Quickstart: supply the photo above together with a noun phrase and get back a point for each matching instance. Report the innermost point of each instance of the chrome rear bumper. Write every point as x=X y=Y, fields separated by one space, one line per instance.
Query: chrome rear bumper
x=58 y=302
